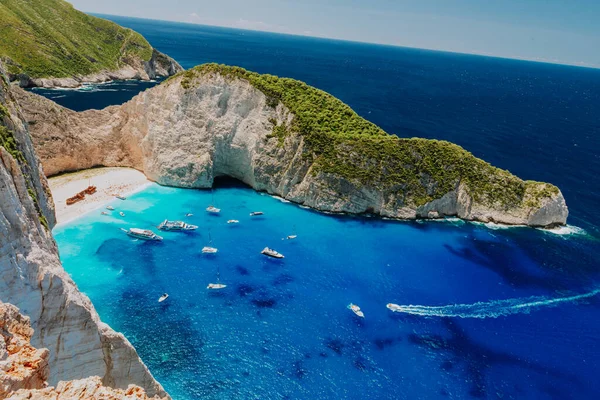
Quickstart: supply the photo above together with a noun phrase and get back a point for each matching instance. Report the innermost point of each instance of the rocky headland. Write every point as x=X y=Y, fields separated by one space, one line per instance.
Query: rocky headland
x=286 y=138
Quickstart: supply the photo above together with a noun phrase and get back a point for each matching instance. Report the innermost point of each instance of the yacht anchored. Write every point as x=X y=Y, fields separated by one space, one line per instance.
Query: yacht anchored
x=143 y=234
x=163 y=297
x=256 y=213
x=104 y=213
x=121 y=213
x=110 y=208
x=216 y=286
x=356 y=310
x=213 y=209
x=189 y=215
x=209 y=249
x=118 y=196
x=290 y=237
x=233 y=221
x=167 y=225
x=271 y=253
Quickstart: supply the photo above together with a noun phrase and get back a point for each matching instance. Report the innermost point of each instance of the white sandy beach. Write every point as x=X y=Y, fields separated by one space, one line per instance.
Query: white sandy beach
x=109 y=181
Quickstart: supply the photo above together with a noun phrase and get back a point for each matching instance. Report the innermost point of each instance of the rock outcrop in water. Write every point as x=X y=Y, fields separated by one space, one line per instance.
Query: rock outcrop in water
x=24 y=369
x=289 y=139
x=33 y=279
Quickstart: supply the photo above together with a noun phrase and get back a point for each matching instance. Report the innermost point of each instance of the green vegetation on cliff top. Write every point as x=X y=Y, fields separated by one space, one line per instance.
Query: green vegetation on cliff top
x=49 y=38
x=341 y=142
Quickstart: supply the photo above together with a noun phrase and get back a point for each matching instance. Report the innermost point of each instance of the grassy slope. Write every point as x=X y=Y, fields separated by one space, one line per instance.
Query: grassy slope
x=49 y=38
x=341 y=142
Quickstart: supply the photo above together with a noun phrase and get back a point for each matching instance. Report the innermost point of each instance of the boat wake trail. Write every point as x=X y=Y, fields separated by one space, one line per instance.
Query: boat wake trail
x=491 y=309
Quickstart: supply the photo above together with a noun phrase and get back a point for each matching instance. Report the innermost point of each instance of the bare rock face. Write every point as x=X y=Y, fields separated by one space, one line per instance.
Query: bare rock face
x=185 y=135
x=21 y=365
x=33 y=279
x=24 y=369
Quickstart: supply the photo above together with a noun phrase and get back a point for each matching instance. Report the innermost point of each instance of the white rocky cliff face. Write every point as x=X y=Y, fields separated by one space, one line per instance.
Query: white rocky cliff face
x=186 y=137
x=32 y=278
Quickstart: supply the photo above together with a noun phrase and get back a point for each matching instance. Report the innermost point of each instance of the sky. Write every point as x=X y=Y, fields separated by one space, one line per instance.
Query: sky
x=558 y=31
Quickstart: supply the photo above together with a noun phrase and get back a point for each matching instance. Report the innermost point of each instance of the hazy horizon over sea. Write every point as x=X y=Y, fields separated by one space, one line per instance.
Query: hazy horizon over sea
x=485 y=313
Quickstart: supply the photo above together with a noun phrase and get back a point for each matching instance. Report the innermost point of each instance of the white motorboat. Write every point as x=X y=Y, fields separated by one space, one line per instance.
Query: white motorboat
x=256 y=213
x=213 y=209
x=271 y=253
x=189 y=215
x=209 y=249
x=144 y=234
x=216 y=286
x=121 y=213
x=356 y=310
x=167 y=225
x=233 y=221
x=393 y=307
x=290 y=237
x=110 y=208
x=163 y=297
x=118 y=196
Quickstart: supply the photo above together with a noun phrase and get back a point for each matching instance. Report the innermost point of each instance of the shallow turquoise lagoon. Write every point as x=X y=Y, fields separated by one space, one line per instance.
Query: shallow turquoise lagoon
x=281 y=329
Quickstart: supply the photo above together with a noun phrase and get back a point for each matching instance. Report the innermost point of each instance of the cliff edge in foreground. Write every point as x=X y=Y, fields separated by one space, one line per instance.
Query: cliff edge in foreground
x=33 y=279
x=24 y=369
x=48 y=43
x=289 y=139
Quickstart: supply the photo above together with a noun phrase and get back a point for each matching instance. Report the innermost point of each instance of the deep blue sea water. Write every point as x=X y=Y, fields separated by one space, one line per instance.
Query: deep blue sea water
x=281 y=329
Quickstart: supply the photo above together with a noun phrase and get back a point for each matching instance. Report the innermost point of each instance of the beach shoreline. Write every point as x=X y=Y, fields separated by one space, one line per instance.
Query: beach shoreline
x=108 y=181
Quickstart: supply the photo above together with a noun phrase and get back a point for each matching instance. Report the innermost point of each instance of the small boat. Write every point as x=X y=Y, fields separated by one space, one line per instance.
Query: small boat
x=356 y=310
x=110 y=208
x=213 y=209
x=104 y=213
x=121 y=213
x=233 y=221
x=209 y=249
x=144 y=234
x=393 y=307
x=189 y=215
x=118 y=196
x=163 y=297
x=167 y=225
x=216 y=286
x=256 y=213
x=290 y=237
x=271 y=253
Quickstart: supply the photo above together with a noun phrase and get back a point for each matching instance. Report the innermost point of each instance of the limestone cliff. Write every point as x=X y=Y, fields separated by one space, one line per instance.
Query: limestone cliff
x=286 y=138
x=24 y=369
x=32 y=278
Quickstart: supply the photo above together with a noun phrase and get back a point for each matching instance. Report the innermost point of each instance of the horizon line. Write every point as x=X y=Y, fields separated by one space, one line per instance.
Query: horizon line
x=538 y=61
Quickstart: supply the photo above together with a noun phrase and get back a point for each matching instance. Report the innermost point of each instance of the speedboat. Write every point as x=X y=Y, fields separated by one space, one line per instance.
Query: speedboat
x=292 y=237
x=233 y=221
x=121 y=213
x=356 y=310
x=110 y=208
x=393 y=307
x=256 y=213
x=209 y=250
x=271 y=253
x=163 y=297
x=216 y=286
x=167 y=225
x=144 y=234
x=118 y=196
x=213 y=209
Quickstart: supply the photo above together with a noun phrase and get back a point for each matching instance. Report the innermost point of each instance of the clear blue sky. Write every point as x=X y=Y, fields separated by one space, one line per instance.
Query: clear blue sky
x=561 y=31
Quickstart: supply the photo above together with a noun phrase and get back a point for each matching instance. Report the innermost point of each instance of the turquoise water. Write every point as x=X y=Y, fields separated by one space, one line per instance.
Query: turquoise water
x=281 y=328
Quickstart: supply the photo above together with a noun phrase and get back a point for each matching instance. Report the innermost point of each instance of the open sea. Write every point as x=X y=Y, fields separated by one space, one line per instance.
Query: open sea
x=485 y=312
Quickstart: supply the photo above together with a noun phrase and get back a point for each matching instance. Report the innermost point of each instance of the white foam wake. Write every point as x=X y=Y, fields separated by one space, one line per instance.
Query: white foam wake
x=491 y=309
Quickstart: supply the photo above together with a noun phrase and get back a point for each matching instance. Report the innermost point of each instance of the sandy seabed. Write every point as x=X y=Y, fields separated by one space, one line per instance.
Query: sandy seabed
x=108 y=181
